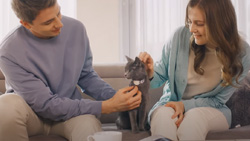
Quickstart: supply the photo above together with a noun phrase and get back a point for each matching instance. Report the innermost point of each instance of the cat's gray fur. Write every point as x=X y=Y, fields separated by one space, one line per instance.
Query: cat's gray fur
x=135 y=119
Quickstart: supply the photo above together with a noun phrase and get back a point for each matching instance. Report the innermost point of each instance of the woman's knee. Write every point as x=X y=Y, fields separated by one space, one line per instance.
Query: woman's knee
x=163 y=124
x=161 y=116
x=194 y=125
x=192 y=119
x=163 y=112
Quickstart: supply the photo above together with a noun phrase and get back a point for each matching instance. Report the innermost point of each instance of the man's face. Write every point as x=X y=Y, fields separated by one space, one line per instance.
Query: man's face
x=47 y=24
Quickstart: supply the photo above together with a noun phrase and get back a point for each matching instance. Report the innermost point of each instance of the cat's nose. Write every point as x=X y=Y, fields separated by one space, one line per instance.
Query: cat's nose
x=125 y=74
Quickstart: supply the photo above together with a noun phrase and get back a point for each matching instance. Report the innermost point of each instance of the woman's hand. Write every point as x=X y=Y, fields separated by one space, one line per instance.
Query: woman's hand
x=179 y=110
x=125 y=99
x=148 y=61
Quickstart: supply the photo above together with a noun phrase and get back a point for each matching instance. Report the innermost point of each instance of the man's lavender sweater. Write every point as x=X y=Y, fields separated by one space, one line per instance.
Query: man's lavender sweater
x=46 y=72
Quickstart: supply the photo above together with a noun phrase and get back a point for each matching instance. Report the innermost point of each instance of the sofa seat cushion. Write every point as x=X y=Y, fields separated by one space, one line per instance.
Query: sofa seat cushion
x=232 y=134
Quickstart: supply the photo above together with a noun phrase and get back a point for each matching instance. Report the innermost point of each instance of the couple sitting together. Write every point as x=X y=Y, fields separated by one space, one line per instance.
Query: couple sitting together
x=48 y=55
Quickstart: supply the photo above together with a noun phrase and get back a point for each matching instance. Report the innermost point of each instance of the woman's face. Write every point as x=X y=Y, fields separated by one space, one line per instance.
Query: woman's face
x=196 y=22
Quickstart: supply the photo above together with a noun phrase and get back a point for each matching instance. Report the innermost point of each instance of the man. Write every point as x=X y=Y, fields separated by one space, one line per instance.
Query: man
x=43 y=61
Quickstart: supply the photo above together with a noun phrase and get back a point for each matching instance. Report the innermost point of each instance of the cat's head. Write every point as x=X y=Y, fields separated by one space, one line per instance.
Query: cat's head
x=135 y=69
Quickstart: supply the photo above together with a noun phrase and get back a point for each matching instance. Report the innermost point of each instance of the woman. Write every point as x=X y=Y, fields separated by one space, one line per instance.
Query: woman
x=201 y=67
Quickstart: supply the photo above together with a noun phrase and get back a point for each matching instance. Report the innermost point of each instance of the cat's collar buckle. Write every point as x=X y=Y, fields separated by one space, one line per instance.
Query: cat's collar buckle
x=138 y=82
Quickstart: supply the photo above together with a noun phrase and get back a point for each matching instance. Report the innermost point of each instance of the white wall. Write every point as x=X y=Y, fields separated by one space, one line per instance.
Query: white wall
x=101 y=19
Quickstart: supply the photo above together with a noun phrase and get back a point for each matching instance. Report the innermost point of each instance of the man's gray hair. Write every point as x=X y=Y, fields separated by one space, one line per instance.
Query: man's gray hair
x=27 y=10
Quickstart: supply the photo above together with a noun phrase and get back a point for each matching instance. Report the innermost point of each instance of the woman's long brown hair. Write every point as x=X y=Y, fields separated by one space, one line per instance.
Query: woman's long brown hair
x=222 y=32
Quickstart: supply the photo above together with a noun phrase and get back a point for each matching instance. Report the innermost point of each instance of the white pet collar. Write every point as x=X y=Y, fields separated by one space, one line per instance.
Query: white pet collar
x=138 y=82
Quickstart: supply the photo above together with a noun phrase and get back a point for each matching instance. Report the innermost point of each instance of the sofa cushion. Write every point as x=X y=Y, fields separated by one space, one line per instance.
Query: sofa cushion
x=236 y=134
x=239 y=104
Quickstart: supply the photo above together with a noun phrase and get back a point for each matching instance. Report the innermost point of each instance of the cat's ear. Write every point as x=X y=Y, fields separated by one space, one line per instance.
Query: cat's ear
x=138 y=61
x=129 y=59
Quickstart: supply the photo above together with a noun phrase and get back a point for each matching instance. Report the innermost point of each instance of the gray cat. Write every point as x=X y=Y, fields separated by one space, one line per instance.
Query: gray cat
x=135 y=119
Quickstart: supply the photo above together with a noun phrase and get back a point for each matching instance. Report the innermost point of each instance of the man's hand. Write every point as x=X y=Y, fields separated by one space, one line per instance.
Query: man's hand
x=148 y=61
x=179 y=110
x=125 y=99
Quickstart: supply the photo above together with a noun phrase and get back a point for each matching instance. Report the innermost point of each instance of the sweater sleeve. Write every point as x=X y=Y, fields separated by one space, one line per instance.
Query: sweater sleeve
x=91 y=83
x=161 y=68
